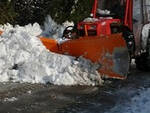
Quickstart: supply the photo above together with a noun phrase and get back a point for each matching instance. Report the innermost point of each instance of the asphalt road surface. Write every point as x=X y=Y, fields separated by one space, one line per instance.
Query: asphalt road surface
x=38 y=98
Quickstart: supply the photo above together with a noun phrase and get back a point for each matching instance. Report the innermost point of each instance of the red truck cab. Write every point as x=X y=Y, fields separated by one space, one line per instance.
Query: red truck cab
x=106 y=16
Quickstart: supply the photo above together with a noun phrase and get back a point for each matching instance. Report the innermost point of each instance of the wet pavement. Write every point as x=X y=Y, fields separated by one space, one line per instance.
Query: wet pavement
x=38 y=98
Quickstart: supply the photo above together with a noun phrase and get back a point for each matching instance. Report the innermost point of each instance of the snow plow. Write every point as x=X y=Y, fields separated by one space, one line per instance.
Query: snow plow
x=104 y=38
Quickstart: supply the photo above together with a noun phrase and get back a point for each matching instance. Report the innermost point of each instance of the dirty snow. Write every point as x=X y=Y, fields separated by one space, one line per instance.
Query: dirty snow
x=145 y=35
x=23 y=58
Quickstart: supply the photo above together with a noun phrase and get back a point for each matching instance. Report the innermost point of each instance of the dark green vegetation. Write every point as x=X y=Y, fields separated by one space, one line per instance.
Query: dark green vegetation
x=7 y=13
x=23 y=12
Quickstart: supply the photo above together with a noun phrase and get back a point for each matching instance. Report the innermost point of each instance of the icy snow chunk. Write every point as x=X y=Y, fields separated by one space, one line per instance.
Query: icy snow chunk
x=25 y=59
x=52 y=29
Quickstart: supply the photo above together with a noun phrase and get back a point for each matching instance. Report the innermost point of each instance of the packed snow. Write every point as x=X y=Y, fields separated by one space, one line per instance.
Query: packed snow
x=23 y=58
x=137 y=104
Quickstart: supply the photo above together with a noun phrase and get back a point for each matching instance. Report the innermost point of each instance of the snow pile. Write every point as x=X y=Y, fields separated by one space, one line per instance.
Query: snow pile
x=145 y=35
x=23 y=58
x=33 y=30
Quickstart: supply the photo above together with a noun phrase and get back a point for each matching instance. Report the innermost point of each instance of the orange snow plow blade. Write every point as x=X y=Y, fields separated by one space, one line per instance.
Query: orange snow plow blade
x=50 y=44
x=110 y=52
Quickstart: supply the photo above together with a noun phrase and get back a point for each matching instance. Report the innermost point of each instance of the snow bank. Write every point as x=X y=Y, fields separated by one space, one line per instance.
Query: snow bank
x=145 y=35
x=23 y=58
